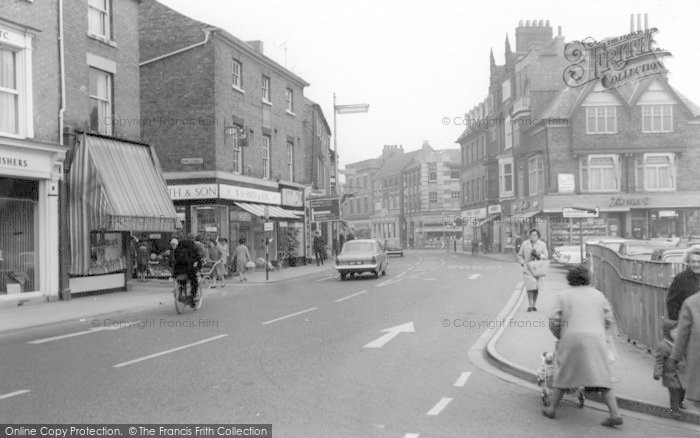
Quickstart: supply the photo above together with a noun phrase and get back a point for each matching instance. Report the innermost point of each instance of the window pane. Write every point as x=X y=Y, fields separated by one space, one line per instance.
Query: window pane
x=8 y=70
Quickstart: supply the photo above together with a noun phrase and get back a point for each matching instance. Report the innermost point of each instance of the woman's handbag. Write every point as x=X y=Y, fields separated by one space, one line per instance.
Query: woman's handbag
x=538 y=268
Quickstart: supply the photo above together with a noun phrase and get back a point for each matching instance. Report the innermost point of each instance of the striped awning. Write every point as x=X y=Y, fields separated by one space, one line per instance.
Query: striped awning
x=272 y=210
x=115 y=185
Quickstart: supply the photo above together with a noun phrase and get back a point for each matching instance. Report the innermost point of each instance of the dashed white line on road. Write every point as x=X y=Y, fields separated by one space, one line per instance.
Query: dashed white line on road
x=326 y=278
x=350 y=296
x=12 y=394
x=439 y=406
x=290 y=316
x=387 y=282
x=462 y=379
x=401 y=275
x=151 y=356
x=84 y=332
x=411 y=435
x=430 y=279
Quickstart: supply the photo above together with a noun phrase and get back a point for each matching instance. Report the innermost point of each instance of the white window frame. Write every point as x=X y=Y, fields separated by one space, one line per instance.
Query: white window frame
x=237 y=150
x=105 y=102
x=505 y=90
x=266 y=142
x=535 y=171
x=502 y=163
x=585 y=167
x=290 y=160
x=509 y=133
x=289 y=93
x=21 y=46
x=100 y=15
x=237 y=76
x=641 y=167
x=266 y=93
x=599 y=119
x=655 y=114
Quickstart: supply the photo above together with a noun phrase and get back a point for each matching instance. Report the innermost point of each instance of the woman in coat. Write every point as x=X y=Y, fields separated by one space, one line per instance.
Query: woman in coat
x=684 y=284
x=687 y=345
x=532 y=249
x=581 y=317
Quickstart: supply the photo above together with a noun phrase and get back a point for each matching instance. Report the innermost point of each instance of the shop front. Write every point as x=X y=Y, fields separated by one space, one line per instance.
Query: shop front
x=117 y=198
x=29 y=250
x=291 y=235
x=215 y=210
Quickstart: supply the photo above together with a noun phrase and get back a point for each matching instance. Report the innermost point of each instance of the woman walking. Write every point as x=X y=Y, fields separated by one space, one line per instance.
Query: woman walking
x=581 y=317
x=687 y=346
x=242 y=257
x=530 y=250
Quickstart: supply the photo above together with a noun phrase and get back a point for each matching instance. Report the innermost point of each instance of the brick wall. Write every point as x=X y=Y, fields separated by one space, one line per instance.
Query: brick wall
x=42 y=16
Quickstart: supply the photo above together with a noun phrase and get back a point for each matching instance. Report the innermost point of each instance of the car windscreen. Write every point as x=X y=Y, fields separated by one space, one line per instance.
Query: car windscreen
x=351 y=247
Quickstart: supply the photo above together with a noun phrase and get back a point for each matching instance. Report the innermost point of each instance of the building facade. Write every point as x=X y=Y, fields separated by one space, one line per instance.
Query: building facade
x=228 y=127
x=359 y=201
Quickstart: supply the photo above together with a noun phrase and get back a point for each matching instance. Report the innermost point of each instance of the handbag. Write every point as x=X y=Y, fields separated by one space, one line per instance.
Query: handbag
x=538 y=268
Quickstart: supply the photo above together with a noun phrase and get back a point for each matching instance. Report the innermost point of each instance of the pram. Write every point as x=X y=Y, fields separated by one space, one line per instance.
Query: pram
x=545 y=379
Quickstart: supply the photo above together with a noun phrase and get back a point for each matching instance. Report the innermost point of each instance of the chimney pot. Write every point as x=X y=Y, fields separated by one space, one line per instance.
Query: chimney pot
x=631 y=23
x=547 y=23
x=646 y=21
x=559 y=31
x=639 y=21
x=527 y=23
x=541 y=23
x=520 y=23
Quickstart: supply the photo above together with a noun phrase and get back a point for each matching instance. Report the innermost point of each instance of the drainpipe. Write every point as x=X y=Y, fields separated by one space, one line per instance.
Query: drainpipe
x=63 y=221
x=207 y=33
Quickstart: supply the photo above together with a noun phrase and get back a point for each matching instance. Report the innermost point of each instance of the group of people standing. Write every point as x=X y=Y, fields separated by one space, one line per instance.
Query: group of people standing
x=581 y=321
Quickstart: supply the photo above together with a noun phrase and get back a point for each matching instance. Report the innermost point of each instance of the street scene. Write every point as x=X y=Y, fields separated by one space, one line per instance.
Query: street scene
x=309 y=219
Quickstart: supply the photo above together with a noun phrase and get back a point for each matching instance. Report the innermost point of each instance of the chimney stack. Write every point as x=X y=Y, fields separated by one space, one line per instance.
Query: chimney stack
x=535 y=34
x=257 y=45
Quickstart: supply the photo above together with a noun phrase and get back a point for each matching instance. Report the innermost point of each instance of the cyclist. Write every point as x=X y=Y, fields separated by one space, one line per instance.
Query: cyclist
x=188 y=261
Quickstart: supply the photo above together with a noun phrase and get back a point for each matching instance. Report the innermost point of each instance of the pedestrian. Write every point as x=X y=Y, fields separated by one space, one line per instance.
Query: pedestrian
x=214 y=254
x=242 y=257
x=580 y=319
x=222 y=244
x=341 y=241
x=518 y=243
x=687 y=345
x=684 y=284
x=665 y=370
x=319 y=246
x=171 y=254
x=142 y=256
x=201 y=249
x=531 y=250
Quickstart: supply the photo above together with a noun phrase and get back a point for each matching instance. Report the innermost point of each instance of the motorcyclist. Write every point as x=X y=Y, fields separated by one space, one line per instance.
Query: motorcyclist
x=188 y=261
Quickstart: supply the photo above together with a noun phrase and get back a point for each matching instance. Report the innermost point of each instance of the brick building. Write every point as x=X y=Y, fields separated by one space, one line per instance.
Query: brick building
x=628 y=151
x=228 y=127
x=357 y=209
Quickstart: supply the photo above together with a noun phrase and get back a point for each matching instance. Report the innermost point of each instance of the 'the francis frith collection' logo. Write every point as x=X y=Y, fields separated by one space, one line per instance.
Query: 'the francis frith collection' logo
x=614 y=61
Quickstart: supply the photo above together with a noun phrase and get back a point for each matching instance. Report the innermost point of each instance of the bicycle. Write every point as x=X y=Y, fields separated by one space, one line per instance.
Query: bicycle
x=183 y=293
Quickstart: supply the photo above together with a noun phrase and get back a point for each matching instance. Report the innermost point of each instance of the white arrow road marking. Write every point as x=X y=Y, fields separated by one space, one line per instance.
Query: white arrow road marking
x=12 y=394
x=439 y=406
x=289 y=316
x=85 y=332
x=123 y=364
x=350 y=296
x=462 y=379
x=391 y=334
x=474 y=276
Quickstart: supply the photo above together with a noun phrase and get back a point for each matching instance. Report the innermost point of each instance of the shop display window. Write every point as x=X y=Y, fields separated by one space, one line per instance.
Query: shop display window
x=106 y=253
x=19 y=238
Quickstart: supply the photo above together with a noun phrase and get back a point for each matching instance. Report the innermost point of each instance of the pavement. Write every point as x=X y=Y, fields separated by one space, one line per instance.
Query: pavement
x=152 y=293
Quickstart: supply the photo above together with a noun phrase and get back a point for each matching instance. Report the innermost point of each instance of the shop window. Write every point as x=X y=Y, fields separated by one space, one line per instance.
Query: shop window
x=655 y=172
x=19 y=236
x=107 y=253
x=600 y=173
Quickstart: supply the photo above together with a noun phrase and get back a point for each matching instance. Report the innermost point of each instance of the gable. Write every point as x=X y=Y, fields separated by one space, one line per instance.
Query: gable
x=600 y=96
x=656 y=94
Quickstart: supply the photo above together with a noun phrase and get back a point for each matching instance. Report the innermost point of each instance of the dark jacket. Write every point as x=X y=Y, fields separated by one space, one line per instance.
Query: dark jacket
x=186 y=256
x=319 y=243
x=662 y=369
x=684 y=285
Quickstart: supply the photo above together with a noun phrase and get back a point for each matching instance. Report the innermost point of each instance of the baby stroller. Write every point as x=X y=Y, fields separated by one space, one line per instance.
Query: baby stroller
x=545 y=379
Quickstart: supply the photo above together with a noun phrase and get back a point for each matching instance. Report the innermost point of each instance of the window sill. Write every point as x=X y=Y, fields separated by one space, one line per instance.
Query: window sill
x=657 y=132
x=266 y=102
x=240 y=90
x=12 y=135
x=102 y=39
x=291 y=113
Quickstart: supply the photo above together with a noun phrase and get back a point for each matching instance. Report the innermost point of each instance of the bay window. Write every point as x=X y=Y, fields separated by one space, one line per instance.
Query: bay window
x=600 y=173
x=656 y=172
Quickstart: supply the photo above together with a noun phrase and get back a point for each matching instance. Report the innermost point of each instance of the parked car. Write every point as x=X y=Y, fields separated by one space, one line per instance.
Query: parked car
x=642 y=249
x=361 y=256
x=567 y=254
x=393 y=246
x=673 y=255
x=613 y=243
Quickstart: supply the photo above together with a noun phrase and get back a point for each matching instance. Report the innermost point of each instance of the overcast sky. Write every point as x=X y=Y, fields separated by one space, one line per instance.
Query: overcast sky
x=415 y=62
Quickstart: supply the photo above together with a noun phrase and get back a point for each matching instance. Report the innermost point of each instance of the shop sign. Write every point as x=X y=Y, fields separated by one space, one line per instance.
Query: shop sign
x=325 y=209
x=235 y=193
x=616 y=201
x=292 y=198
x=240 y=216
x=667 y=213
x=476 y=213
x=494 y=209
x=282 y=224
x=567 y=183
x=25 y=163
x=13 y=38
x=269 y=226
x=195 y=160
x=573 y=212
x=193 y=191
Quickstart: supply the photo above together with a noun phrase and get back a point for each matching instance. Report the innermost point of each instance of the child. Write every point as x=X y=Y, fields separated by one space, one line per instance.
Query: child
x=668 y=374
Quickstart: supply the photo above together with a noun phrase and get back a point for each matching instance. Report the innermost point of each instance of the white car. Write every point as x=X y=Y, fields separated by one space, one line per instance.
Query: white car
x=568 y=254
